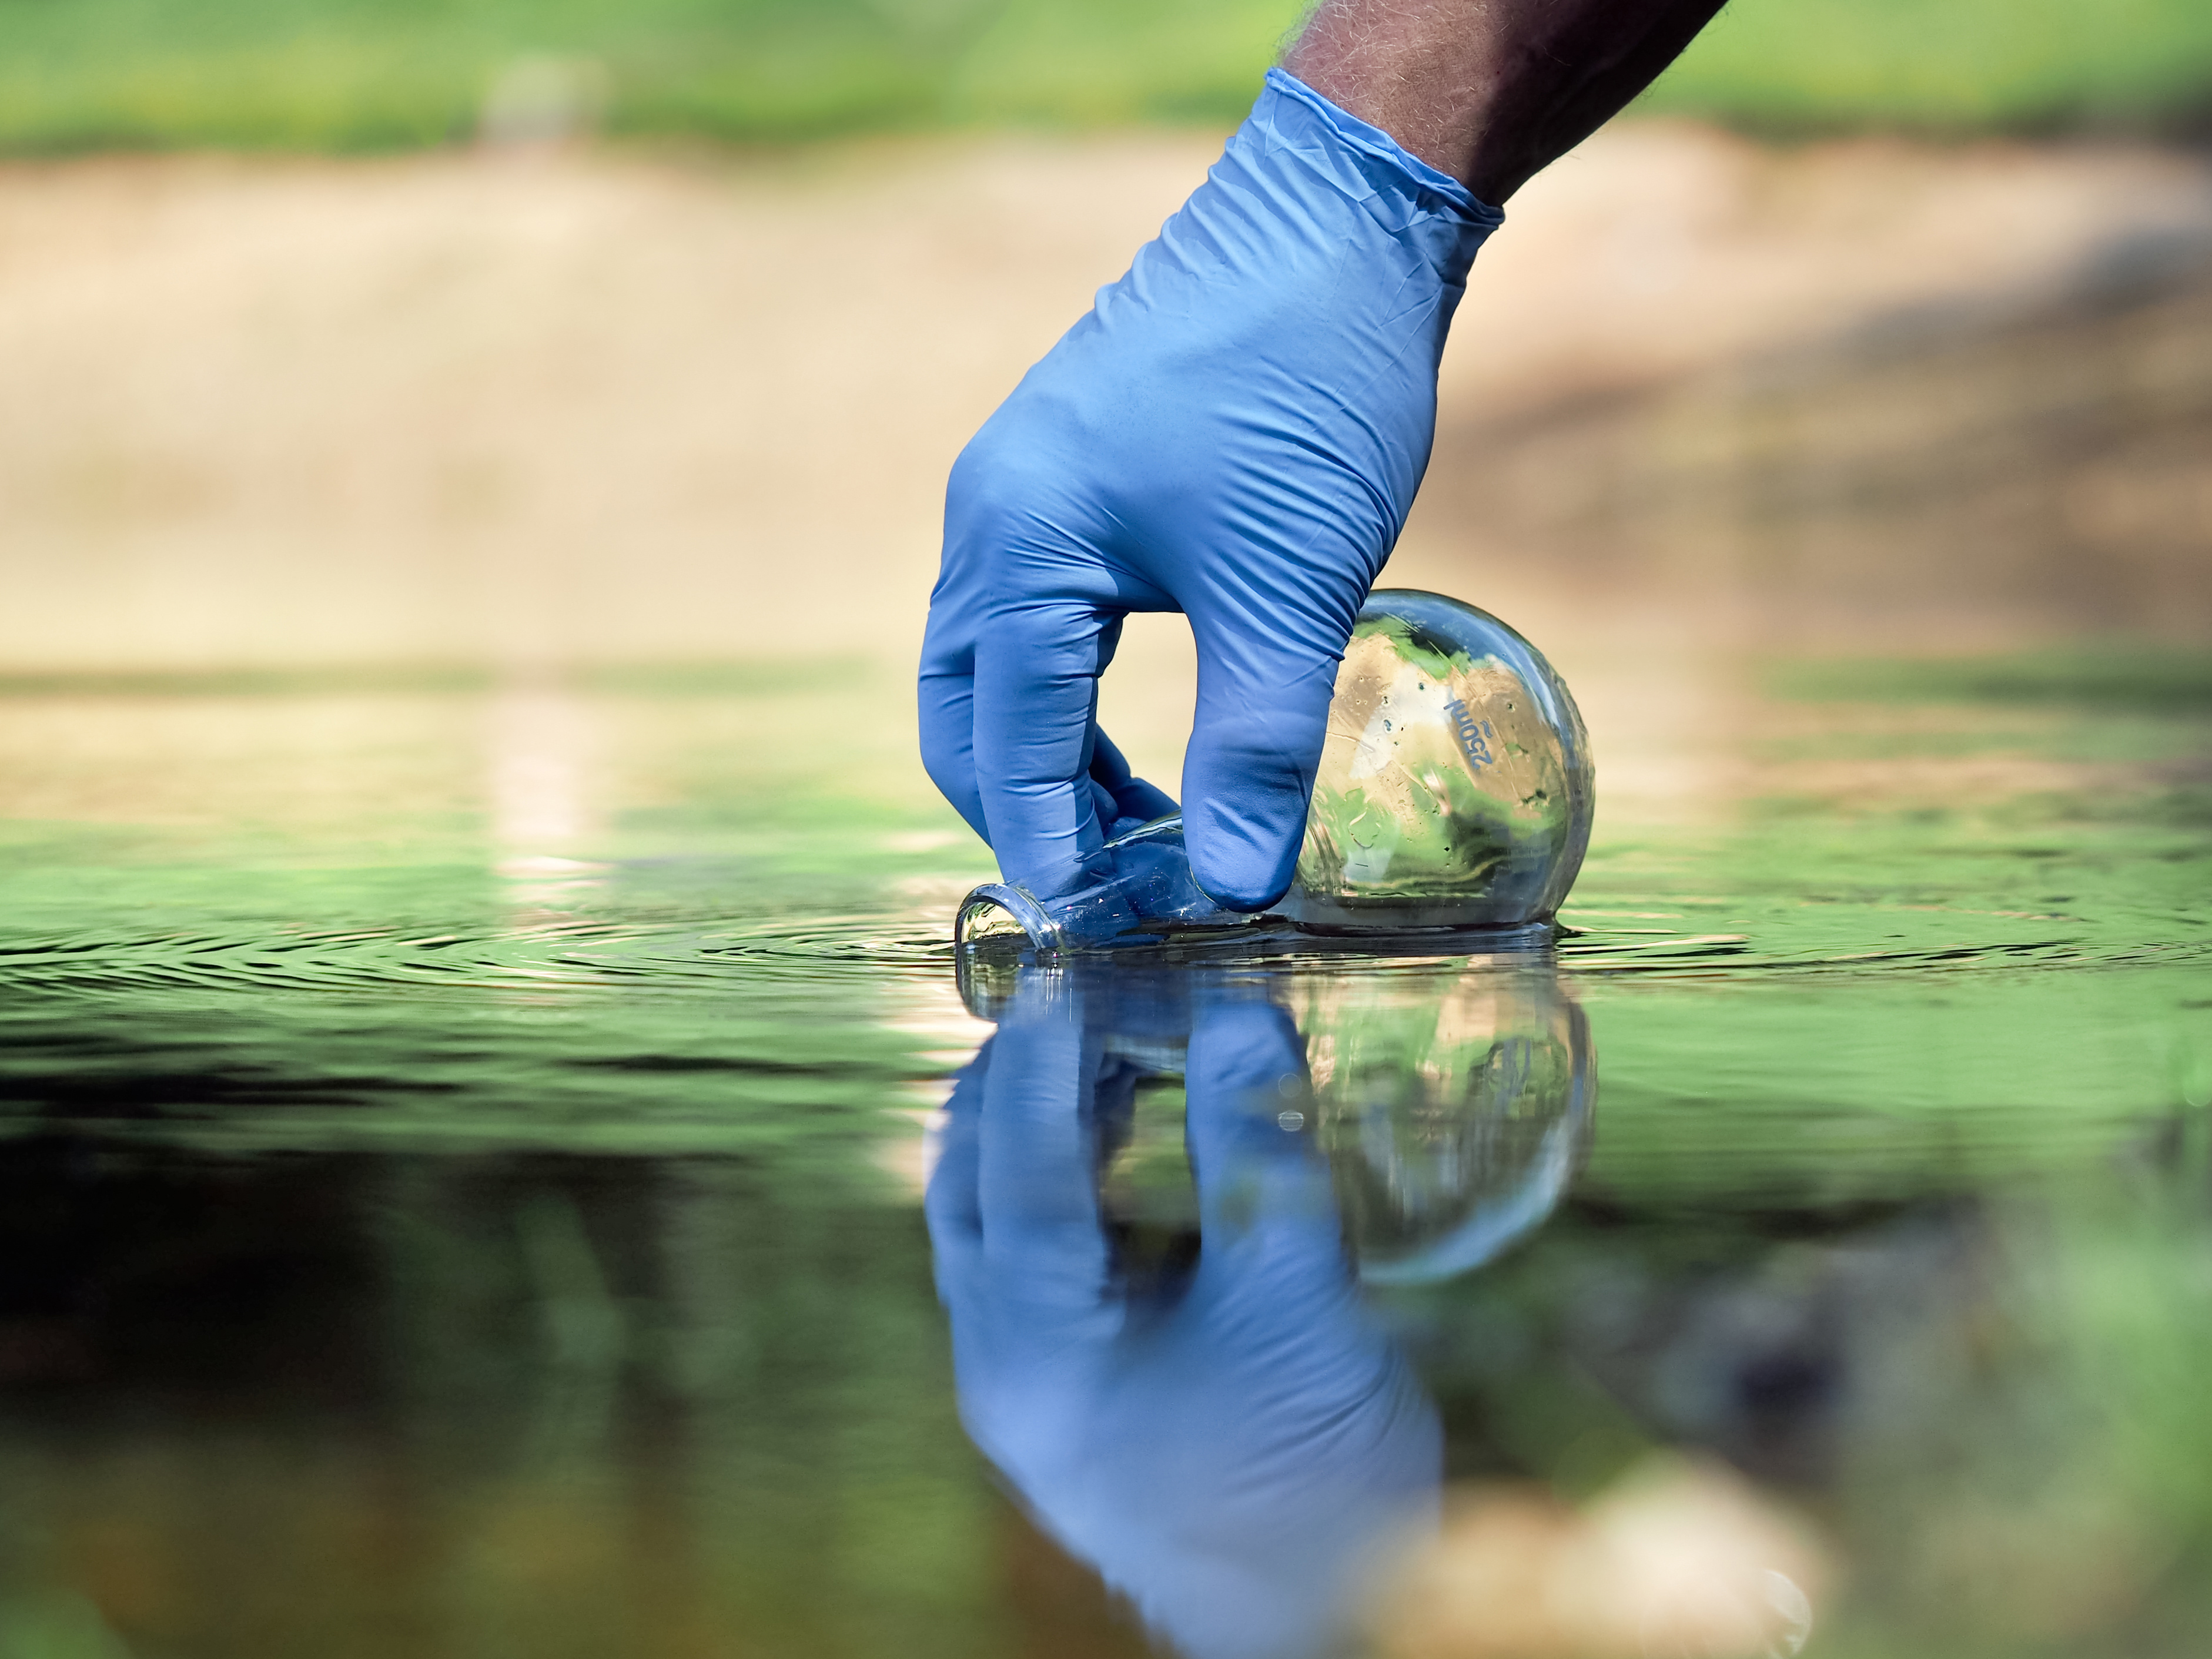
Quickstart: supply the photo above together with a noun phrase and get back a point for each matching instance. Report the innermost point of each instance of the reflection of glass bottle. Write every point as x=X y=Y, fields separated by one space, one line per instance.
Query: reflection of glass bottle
x=1454 y=1111
x=1454 y=789
x=1454 y=1105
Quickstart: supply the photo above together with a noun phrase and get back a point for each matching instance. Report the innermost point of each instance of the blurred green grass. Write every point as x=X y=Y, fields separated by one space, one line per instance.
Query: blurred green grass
x=366 y=75
x=1793 y=66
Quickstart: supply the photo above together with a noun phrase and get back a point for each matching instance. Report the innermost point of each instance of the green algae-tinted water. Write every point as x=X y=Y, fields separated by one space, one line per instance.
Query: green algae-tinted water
x=464 y=1148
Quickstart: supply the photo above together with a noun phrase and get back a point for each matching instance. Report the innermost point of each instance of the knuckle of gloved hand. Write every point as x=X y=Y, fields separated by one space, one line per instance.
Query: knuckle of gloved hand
x=1046 y=646
x=997 y=486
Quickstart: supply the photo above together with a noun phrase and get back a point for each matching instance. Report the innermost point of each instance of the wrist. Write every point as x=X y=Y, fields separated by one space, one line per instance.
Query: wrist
x=1372 y=147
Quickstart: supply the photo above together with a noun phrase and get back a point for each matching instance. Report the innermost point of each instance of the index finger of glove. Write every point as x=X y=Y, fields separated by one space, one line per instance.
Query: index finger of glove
x=1036 y=1191
x=946 y=695
x=1035 y=694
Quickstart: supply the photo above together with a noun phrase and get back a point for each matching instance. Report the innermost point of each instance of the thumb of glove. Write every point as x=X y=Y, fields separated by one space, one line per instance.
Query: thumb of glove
x=1256 y=743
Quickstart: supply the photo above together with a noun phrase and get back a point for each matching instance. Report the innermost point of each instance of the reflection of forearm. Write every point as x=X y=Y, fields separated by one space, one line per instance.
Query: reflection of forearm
x=1491 y=90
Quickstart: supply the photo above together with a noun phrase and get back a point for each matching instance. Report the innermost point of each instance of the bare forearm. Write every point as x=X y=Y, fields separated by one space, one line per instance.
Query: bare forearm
x=1490 y=91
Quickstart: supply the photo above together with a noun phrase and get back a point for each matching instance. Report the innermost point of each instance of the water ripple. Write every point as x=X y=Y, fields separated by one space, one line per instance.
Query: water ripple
x=600 y=956
x=579 y=957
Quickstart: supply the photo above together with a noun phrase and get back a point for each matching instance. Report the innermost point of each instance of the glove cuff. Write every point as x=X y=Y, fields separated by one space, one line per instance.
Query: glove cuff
x=1371 y=143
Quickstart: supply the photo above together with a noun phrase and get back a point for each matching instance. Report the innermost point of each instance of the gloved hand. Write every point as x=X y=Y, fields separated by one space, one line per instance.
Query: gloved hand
x=1226 y=1449
x=1236 y=431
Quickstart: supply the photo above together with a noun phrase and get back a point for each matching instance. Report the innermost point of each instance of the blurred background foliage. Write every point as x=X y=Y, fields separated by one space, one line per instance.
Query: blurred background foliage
x=366 y=75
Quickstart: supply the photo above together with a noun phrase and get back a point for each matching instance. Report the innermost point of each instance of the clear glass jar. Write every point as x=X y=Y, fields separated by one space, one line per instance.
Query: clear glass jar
x=1455 y=787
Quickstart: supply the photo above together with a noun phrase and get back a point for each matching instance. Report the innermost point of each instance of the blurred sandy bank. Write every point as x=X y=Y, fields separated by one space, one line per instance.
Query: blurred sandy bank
x=586 y=407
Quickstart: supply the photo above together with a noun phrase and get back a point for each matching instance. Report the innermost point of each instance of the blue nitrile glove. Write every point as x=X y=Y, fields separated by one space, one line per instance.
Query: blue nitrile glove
x=1227 y=1451
x=1236 y=431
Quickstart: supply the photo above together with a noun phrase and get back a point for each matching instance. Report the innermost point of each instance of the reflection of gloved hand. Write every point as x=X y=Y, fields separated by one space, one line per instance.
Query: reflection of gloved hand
x=1235 y=432
x=1223 y=1452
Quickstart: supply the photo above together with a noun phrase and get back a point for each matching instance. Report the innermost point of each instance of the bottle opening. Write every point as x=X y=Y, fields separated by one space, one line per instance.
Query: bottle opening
x=996 y=919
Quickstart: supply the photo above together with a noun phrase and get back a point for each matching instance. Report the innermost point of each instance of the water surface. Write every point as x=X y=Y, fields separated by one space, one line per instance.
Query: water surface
x=503 y=1166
